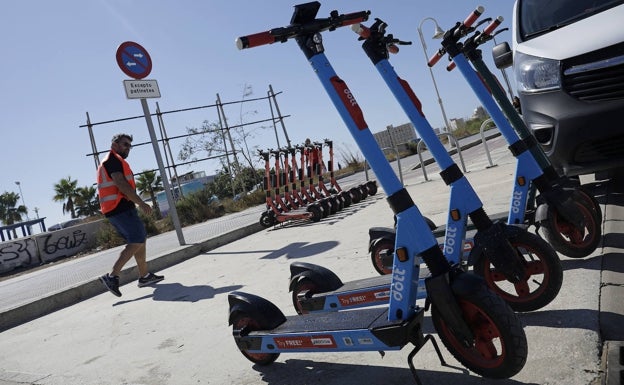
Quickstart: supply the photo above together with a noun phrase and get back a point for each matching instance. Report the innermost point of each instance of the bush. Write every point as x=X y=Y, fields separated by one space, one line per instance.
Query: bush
x=107 y=237
x=198 y=207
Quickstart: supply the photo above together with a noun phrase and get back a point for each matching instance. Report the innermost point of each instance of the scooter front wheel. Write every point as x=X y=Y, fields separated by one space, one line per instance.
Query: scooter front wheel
x=267 y=219
x=317 y=212
x=243 y=321
x=543 y=278
x=500 y=346
x=372 y=187
x=567 y=238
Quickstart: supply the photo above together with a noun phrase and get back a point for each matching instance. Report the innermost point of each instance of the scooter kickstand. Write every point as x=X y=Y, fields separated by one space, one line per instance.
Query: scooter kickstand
x=410 y=357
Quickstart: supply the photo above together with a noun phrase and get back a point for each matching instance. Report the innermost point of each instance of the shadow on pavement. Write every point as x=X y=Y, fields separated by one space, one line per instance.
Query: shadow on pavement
x=176 y=292
x=305 y=372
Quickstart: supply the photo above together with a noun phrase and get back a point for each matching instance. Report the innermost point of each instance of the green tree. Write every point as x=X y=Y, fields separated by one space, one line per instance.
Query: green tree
x=149 y=183
x=9 y=214
x=86 y=201
x=65 y=191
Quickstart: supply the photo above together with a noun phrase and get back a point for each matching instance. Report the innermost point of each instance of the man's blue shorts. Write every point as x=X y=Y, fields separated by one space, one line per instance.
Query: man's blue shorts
x=129 y=226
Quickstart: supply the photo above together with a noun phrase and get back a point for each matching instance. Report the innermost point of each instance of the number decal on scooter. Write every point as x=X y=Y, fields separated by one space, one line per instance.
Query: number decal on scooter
x=398 y=277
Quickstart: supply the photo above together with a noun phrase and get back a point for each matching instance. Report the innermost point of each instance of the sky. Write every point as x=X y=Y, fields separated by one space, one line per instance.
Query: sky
x=59 y=66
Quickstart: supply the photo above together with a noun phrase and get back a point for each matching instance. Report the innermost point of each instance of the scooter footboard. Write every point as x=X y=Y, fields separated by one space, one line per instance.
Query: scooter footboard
x=365 y=329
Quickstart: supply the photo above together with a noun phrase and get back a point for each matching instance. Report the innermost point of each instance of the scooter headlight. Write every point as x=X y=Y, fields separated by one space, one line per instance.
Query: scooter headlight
x=535 y=74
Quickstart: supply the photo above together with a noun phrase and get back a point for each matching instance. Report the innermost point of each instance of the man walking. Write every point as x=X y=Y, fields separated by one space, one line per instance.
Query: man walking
x=118 y=200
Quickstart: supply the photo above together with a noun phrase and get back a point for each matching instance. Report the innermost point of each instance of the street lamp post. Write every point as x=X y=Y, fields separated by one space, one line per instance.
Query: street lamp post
x=439 y=32
x=19 y=185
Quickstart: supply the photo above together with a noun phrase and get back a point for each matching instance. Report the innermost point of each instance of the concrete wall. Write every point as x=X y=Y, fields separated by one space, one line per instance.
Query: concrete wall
x=45 y=247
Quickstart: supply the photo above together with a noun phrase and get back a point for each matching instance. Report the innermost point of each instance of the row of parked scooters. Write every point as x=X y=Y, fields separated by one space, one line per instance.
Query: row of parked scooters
x=472 y=294
x=290 y=198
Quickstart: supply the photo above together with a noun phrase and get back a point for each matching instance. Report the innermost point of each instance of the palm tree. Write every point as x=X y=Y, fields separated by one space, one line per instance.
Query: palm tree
x=65 y=191
x=86 y=201
x=9 y=214
x=149 y=183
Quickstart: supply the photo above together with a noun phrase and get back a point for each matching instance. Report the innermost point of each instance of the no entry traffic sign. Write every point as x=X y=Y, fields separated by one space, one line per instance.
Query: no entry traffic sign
x=134 y=60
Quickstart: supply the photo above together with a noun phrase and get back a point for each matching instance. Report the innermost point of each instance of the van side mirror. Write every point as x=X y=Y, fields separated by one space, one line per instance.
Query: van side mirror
x=503 y=57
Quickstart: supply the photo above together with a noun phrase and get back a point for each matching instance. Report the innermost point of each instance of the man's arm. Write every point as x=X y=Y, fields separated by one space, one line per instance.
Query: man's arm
x=130 y=193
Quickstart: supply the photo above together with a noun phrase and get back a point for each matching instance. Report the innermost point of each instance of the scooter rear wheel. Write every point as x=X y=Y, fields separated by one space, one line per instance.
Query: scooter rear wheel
x=567 y=238
x=543 y=279
x=243 y=321
x=379 y=264
x=301 y=286
x=500 y=346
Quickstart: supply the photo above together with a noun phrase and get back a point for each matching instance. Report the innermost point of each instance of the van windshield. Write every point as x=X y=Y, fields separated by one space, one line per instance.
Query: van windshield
x=537 y=17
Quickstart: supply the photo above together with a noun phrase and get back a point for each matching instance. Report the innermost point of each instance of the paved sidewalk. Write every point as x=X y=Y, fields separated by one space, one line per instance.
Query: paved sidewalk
x=56 y=329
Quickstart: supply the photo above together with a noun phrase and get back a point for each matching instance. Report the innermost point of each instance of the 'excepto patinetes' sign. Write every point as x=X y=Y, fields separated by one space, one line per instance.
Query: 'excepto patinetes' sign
x=137 y=89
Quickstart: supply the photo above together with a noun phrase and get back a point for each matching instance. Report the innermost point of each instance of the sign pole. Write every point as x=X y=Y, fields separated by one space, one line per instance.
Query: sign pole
x=134 y=61
x=161 y=167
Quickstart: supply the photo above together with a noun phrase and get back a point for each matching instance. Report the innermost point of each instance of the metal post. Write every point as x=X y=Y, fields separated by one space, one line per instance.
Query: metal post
x=273 y=120
x=96 y=157
x=223 y=123
x=167 y=149
x=437 y=35
x=172 y=208
x=19 y=185
x=279 y=115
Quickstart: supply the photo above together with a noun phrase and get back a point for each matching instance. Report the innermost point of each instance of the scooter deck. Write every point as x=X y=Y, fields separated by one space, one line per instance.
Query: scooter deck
x=372 y=291
x=362 y=292
x=358 y=330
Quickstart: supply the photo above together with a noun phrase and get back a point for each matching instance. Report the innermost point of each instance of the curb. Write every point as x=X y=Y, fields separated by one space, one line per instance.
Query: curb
x=57 y=301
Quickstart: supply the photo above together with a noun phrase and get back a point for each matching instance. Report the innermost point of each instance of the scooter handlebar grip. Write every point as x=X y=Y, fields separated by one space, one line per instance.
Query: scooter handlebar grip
x=473 y=16
x=451 y=66
x=354 y=18
x=493 y=25
x=361 y=30
x=255 y=40
x=435 y=59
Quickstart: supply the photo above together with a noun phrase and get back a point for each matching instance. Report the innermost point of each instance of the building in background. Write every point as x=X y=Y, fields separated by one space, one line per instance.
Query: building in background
x=396 y=137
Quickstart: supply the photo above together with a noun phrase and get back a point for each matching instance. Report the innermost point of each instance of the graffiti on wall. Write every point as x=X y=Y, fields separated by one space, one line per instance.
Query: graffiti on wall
x=18 y=253
x=46 y=247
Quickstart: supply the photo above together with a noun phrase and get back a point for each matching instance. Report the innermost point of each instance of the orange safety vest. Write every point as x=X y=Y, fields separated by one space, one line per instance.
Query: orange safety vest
x=109 y=194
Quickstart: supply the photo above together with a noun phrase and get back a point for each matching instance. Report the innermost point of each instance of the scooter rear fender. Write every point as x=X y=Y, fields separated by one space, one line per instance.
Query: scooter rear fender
x=324 y=278
x=264 y=312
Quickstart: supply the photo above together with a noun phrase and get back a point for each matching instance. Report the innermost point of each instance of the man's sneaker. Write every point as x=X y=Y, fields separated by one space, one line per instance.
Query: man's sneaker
x=111 y=283
x=150 y=279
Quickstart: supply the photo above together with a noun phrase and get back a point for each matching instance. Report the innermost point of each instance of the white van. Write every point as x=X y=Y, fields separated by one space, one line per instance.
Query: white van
x=568 y=60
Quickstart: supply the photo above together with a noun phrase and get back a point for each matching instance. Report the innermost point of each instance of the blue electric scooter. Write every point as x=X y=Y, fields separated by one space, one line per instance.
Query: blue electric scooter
x=481 y=331
x=315 y=288
x=569 y=216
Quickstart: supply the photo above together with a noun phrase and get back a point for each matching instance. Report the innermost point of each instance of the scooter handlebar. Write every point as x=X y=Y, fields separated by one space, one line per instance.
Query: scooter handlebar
x=255 y=40
x=492 y=26
x=433 y=60
x=317 y=25
x=469 y=21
